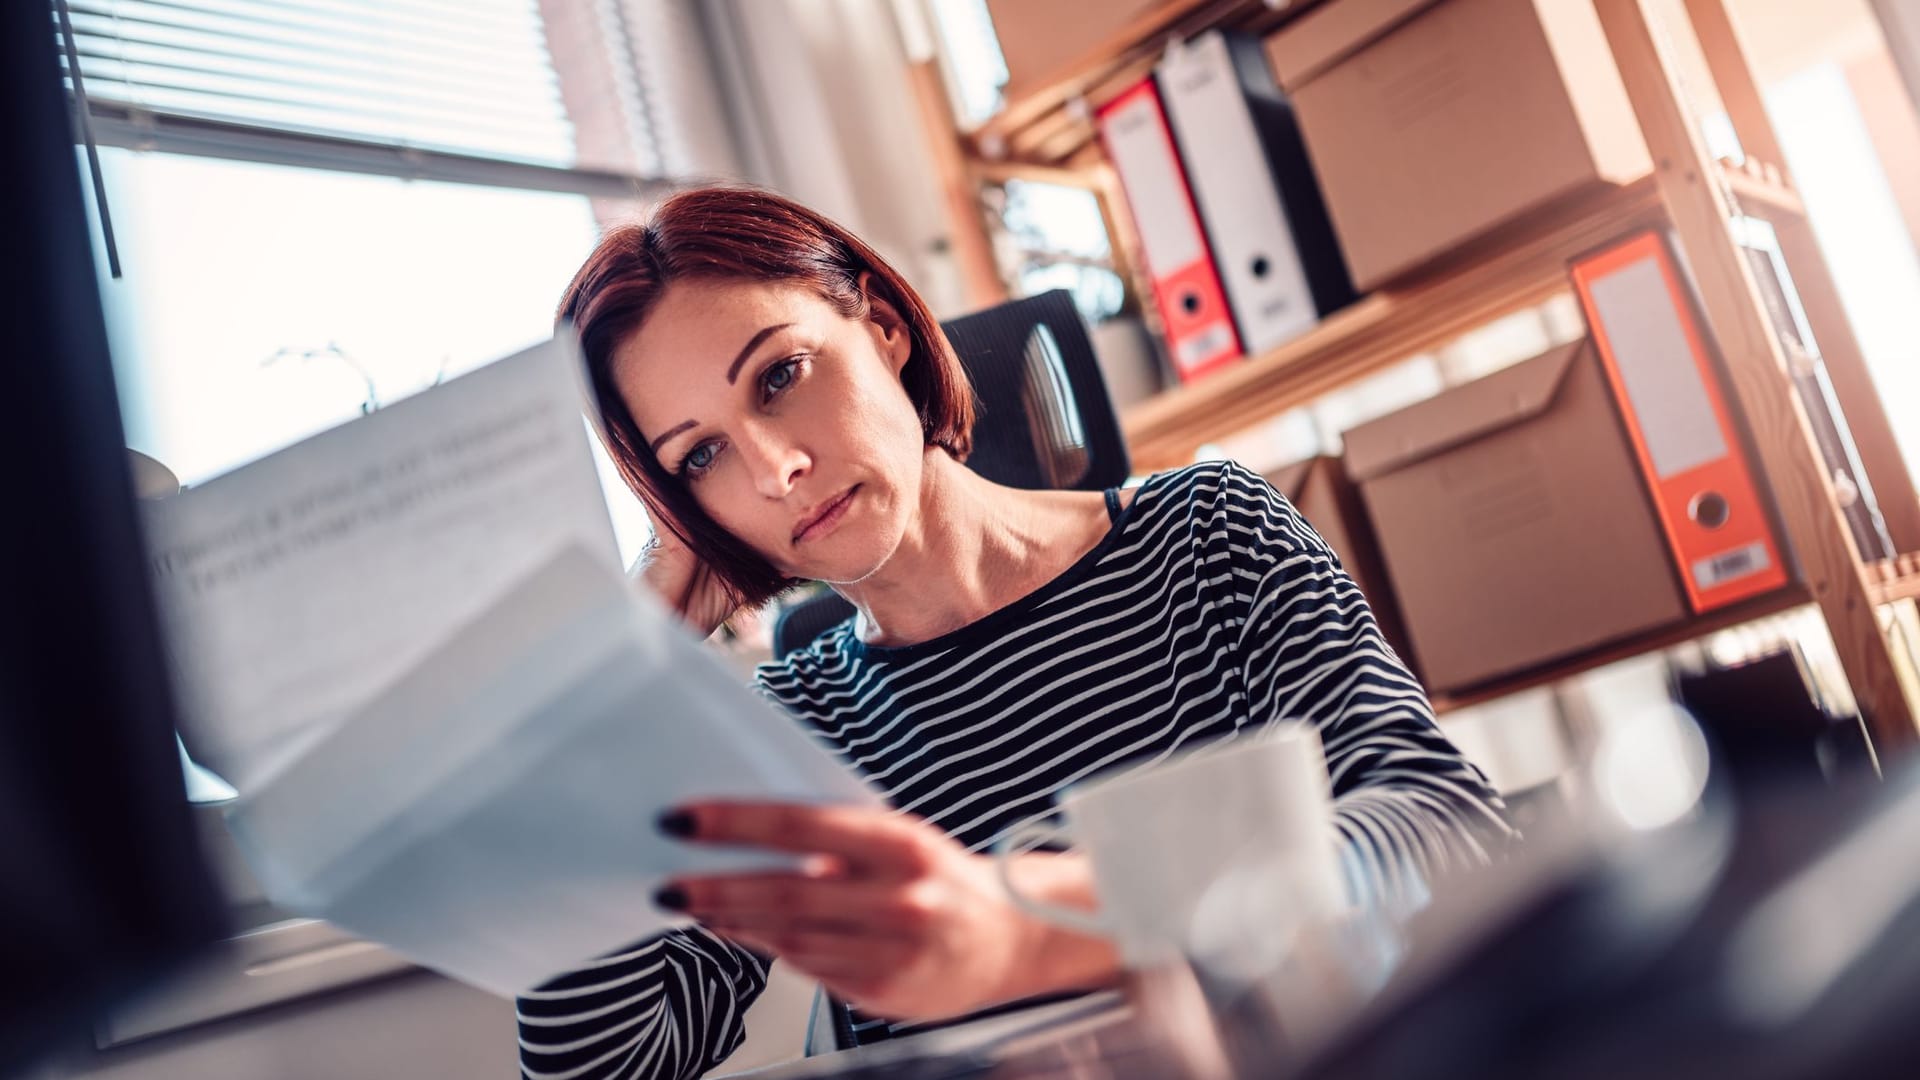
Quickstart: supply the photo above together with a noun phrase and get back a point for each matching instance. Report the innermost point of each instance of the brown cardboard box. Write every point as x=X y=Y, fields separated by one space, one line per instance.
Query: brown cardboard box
x=1513 y=521
x=1433 y=121
x=1319 y=488
x=1042 y=39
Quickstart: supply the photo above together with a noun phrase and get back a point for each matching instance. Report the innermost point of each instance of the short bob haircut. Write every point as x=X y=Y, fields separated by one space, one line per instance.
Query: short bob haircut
x=755 y=235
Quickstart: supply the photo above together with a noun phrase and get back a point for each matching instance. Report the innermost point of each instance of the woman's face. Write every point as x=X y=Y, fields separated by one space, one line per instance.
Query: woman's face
x=786 y=420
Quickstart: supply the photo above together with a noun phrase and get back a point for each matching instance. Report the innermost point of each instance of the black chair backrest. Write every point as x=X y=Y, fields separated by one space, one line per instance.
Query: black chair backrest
x=1766 y=727
x=1043 y=420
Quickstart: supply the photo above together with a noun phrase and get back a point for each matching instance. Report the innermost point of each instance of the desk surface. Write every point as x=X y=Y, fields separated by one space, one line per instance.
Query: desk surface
x=994 y=1046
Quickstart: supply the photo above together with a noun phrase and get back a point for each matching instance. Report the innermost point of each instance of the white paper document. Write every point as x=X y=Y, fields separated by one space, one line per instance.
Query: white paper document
x=409 y=645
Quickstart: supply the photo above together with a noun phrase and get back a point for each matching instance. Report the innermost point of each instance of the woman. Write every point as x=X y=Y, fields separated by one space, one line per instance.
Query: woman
x=788 y=409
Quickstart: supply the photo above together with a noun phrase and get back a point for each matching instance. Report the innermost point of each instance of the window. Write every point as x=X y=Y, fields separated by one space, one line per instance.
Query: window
x=1054 y=237
x=409 y=72
x=261 y=304
x=322 y=206
x=976 y=70
x=1856 y=217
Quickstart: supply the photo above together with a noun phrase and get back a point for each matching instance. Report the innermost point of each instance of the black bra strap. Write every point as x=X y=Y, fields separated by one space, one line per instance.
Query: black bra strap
x=1113 y=504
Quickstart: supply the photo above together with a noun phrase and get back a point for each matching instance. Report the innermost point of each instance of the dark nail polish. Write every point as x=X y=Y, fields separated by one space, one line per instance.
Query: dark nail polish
x=676 y=823
x=671 y=897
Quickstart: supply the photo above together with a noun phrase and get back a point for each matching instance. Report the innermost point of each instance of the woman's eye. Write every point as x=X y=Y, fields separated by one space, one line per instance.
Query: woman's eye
x=698 y=459
x=778 y=377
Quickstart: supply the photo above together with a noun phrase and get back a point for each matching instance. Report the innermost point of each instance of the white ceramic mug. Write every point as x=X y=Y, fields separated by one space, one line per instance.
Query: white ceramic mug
x=1230 y=849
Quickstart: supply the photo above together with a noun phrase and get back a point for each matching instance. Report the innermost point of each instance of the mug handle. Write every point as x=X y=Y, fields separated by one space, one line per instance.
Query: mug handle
x=1020 y=840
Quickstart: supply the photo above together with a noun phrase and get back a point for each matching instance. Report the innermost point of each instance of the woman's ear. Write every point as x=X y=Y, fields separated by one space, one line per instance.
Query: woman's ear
x=889 y=328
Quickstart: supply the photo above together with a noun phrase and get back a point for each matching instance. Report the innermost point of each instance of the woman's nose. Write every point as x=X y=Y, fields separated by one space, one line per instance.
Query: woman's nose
x=776 y=461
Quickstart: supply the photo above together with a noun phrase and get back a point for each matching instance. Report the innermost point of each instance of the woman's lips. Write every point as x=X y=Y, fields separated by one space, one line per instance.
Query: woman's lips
x=828 y=518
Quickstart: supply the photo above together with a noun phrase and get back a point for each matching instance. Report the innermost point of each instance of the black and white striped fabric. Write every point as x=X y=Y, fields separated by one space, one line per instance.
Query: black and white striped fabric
x=1210 y=611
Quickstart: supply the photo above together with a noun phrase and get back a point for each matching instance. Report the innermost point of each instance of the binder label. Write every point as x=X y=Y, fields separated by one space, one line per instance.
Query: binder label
x=1144 y=156
x=1664 y=386
x=1731 y=566
x=1193 y=351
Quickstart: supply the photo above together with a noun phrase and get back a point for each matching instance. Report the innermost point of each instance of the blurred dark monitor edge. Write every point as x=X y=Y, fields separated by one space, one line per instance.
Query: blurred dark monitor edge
x=105 y=885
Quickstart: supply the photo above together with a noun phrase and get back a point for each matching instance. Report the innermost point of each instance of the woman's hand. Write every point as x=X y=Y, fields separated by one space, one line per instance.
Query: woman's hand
x=682 y=581
x=887 y=912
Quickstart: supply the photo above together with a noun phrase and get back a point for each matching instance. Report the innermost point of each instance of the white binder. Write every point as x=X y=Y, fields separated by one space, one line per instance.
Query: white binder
x=1212 y=88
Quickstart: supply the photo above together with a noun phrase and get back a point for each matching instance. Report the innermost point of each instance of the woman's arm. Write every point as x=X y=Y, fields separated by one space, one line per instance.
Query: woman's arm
x=669 y=1007
x=1062 y=959
x=1408 y=805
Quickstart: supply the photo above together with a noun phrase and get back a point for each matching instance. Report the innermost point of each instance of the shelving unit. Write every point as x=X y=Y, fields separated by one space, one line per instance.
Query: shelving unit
x=1760 y=607
x=1046 y=125
x=1895 y=579
x=1046 y=131
x=1515 y=268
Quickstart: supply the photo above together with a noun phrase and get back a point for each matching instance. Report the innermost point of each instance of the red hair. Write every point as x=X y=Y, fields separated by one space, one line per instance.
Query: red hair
x=744 y=234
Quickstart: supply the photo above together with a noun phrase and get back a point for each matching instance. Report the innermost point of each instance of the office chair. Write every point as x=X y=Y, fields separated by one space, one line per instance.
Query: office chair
x=1043 y=421
x=1767 y=727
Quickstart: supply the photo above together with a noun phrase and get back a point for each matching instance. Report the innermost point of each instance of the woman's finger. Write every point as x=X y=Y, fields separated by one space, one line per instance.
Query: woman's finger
x=877 y=841
x=783 y=899
x=830 y=956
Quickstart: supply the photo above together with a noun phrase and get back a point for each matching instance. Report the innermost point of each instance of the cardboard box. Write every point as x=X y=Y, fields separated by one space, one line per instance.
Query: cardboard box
x=1320 y=489
x=1043 y=39
x=1513 y=521
x=1431 y=122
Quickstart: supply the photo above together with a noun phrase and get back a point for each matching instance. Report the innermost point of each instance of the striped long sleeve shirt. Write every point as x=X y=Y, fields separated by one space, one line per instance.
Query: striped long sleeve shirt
x=1210 y=611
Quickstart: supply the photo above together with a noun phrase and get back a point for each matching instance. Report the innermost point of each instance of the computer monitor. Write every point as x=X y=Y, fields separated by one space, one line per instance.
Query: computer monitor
x=102 y=885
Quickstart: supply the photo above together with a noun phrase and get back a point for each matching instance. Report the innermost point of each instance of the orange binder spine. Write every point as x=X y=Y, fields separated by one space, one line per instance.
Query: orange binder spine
x=1657 y=360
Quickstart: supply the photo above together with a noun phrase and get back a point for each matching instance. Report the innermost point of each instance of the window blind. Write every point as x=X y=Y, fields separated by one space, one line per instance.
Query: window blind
x=464 y=76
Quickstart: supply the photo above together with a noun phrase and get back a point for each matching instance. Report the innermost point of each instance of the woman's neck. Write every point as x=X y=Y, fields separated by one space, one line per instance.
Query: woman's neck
x=972 y=548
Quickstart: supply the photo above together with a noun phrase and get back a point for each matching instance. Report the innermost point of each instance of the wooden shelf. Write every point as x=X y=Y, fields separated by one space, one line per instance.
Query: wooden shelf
x=1041 y=124
x=1518 y=266
x=1897 y=579
x=1746 y=611
x=1762 y=198
x=1892 y=580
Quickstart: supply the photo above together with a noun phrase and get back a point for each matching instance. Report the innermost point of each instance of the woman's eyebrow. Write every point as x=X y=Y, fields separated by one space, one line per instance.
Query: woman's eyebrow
x=671 y=432
x=734 y=371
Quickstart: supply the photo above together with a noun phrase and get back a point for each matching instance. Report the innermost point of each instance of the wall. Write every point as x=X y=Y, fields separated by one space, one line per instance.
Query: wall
x=826 y=110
